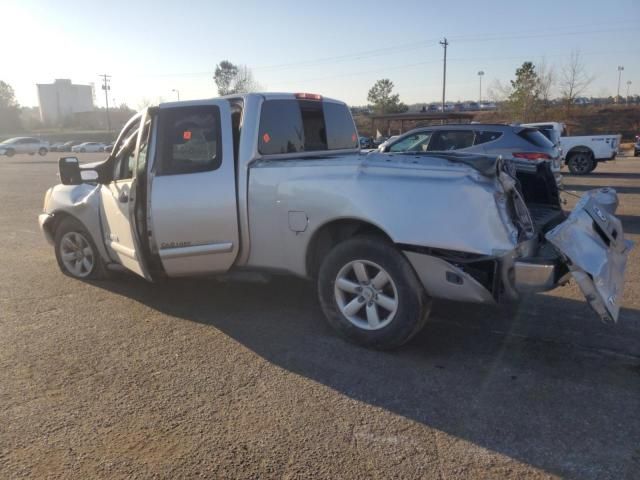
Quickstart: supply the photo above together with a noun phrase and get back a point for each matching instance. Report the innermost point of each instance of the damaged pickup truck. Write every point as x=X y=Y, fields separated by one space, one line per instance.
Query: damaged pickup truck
x=276 y=182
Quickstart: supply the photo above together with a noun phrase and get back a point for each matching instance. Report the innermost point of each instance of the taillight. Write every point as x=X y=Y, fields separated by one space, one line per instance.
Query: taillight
x=533 y=156
x=308 y=96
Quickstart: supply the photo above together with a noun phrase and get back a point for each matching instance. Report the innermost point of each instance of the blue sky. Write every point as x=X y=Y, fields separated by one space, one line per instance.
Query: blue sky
x=336 y=48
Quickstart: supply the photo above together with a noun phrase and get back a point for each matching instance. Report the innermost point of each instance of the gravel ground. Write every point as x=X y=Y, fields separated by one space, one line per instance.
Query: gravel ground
x=215 y=379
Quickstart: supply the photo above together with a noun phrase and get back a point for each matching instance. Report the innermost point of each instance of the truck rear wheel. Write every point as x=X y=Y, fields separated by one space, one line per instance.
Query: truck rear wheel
x=370 y=293
x=581 y=163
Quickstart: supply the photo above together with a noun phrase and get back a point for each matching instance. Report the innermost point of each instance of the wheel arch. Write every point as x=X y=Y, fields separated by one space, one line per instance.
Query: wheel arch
x=579 y=149
x=331 y=234
x=59 y=215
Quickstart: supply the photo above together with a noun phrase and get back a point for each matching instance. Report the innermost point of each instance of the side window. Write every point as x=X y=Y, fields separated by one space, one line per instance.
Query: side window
x=446 y=140
x=190 y=141
x=484 y=137
x=125 y=158
x=417 y=142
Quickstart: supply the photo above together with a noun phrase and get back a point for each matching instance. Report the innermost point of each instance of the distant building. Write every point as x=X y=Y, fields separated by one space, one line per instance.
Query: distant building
x=61 y=99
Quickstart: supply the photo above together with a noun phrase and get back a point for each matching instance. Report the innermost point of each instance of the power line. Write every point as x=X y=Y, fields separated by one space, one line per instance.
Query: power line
x=409 y=46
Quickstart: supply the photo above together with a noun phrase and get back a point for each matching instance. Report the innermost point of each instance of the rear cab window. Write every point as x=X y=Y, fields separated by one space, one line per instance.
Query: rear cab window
x=302 y=125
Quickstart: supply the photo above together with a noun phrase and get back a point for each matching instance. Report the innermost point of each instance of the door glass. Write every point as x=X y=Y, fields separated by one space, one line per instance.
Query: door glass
x=190 y=140
x=413 y=143
x=445 y=140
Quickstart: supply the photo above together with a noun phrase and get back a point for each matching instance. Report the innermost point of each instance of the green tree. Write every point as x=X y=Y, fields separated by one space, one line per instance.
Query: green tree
x=231 y=78
x=525 y=92
x=383 y=99
x=9 y=110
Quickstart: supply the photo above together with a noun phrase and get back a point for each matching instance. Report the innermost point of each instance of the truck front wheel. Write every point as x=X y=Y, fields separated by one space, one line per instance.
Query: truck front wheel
x=76 y=253
x=370 y=293
x=581 y=163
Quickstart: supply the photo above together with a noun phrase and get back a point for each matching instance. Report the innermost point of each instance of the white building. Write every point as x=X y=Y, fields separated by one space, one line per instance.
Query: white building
x=62 y=98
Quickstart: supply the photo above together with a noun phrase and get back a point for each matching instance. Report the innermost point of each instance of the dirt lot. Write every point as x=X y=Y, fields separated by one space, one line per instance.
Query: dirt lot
x=245 y=380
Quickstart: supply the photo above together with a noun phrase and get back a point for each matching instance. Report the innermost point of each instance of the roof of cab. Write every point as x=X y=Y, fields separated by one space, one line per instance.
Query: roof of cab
x=264 y=95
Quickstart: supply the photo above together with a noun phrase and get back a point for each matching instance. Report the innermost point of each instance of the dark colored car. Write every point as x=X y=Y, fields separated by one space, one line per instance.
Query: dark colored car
x=366 y=142
x=66 y=146
x=636 y=148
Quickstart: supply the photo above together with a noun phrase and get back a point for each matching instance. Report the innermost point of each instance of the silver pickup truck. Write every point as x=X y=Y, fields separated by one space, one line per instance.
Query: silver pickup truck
x=276 y=182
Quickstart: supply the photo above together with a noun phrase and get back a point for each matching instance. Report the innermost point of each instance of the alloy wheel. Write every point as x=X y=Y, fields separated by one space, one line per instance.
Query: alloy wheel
x=366 y=295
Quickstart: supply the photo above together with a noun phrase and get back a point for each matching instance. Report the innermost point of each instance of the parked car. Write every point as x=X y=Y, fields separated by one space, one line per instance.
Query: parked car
x=55 y=147
x=366 y=142
x=88 y=147
x=523 y=146
x=290 y=191
x=636 y=148
x=66 y=146
x=582 y=153
x=108 y=147
x=28 y=145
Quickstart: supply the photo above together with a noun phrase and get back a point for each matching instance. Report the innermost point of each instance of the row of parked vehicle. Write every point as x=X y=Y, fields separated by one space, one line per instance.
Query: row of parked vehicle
x=278 y=182
x=32 y=145
x=522 y=144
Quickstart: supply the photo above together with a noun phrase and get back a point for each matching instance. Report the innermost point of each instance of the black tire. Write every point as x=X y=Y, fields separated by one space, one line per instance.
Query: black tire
x=42 y=152
x=71 y=225
x=593 y=166
x=581 y=163
x=10 y=153
x=413 y=304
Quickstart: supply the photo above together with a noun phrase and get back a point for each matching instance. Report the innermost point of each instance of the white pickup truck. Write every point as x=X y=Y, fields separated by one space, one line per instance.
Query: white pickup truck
x=582 y=153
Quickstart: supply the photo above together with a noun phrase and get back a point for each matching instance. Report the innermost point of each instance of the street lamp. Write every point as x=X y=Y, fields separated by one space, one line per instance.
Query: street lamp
x=628 y=86
x=480 y=75
x=620 y=69
x=177 y=92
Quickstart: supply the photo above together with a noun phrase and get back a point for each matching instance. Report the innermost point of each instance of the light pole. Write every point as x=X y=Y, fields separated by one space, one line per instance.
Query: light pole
x=480 y=75
x=628 y=86
x=620 y=69
x=177 y=92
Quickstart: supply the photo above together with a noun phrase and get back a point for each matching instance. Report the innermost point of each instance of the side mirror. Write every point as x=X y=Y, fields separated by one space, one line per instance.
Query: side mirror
x=69 y=168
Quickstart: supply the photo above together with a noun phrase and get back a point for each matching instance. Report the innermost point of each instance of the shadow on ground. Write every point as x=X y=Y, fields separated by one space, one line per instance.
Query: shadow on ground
x=544 y=383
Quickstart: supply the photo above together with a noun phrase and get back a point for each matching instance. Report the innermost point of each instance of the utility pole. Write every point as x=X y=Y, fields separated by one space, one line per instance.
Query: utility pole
x=620 y=69
x=480 y=75
x=444 y=44
x=628 y=86
x=177 y=92
x=106 y=87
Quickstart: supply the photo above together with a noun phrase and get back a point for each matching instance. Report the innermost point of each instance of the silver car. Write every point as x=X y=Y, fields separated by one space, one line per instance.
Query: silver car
x=523 y=146
x=28 y=145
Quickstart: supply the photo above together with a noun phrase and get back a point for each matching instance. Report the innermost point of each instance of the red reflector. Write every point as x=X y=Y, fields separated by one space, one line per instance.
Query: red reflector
x=186 y=135
x=308 y=96
x=266 y=138
x=353 y=137
x=532 y=155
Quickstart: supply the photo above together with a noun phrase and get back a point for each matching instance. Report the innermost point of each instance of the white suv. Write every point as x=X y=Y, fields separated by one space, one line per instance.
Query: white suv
x=28 y=145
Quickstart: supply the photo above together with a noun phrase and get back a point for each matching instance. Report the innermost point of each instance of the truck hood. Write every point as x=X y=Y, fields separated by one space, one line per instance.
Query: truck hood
x=592 y=242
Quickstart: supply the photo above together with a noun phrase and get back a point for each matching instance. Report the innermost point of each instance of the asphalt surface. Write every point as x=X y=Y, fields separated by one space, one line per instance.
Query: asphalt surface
x=218 y=379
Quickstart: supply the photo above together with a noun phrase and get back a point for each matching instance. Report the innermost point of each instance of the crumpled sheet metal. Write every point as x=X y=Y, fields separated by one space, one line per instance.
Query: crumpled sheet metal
x=592 y=239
